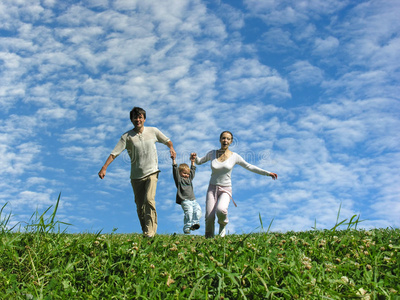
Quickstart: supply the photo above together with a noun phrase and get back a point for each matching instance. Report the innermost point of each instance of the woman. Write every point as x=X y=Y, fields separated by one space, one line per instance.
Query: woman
x=219 y=191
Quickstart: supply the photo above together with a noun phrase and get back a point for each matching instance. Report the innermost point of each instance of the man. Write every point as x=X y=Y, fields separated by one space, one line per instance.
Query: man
x=140 y=144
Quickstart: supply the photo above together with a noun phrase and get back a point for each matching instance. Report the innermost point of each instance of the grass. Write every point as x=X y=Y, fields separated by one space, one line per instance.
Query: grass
x=43 y=262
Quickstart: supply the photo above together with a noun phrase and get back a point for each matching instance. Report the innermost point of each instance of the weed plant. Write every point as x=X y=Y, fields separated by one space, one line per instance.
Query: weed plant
x=41 y=262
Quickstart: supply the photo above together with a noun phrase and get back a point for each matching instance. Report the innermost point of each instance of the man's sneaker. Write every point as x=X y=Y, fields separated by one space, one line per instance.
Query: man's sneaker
x=186 y=232
x=195 y=227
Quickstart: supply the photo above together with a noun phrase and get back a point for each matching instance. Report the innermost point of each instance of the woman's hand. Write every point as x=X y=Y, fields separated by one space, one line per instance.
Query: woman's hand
x=273 y=175
x=193 y=156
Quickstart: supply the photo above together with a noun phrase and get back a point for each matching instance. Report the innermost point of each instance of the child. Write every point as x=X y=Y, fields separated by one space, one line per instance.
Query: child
x=183 y=176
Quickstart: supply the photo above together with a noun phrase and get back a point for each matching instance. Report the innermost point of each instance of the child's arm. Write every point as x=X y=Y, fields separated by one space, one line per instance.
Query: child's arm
x=175 y=171
x=193 y=166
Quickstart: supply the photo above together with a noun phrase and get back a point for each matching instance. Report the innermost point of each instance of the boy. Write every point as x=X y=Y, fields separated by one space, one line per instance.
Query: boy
x=183 y=176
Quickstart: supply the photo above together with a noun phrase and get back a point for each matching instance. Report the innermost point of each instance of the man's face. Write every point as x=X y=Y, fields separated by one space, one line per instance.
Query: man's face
x=138 y=121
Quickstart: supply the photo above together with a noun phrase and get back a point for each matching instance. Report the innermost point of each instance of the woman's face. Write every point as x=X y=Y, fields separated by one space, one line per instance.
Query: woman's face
x=226 y=140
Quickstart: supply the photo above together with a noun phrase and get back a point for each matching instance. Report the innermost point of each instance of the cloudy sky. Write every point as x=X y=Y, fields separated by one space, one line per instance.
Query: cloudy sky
x=310 y=90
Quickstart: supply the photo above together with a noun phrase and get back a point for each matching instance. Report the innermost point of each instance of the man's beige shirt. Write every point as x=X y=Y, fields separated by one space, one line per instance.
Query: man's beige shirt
x=142 y=151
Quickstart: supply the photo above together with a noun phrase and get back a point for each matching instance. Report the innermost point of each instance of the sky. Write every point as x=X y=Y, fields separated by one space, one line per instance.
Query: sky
x=309 y=88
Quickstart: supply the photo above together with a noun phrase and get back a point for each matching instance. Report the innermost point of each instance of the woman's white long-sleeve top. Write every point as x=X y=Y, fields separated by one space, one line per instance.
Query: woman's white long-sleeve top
x=221 y=171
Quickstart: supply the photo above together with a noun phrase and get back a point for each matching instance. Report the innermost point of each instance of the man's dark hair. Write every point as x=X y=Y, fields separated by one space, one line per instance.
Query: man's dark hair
x=137 y=111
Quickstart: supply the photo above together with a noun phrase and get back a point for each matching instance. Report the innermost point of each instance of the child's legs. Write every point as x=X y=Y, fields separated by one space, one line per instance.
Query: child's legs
x=188 y=215
x=196 y=212
x=211 y=201
x=222 y=208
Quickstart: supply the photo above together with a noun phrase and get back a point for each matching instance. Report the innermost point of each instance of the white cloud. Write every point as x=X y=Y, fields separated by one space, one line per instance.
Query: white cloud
x=33 y=200
x=103 y=4
x=19 y=159
x=234 y=18
x=278 y=40
x=291 y=12
x=88 y=136
x=303 y=72
x=56 y=113
x=249 y=77
x=326 y=46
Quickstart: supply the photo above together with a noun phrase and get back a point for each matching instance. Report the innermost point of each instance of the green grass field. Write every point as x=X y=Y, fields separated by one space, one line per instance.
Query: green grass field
x=43 y=263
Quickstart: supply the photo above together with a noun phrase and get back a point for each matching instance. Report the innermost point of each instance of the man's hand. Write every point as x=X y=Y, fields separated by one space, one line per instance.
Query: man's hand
x=103 y=170
x=102 y=173
x=173 y=153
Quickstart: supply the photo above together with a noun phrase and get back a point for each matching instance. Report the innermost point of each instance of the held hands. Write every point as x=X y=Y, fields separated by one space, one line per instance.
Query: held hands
x=273 y=175
x=193 y=156
x=173 y=157
x=173 y=154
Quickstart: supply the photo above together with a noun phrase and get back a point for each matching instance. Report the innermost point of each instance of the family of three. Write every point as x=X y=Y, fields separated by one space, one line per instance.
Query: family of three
x=140 y=145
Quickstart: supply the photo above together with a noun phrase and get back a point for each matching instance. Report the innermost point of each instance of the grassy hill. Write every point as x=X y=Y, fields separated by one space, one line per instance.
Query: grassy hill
x=41 y=263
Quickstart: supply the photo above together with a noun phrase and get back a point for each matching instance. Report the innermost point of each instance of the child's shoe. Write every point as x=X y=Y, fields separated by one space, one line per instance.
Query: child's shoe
x=195 y=227
x=222 y=230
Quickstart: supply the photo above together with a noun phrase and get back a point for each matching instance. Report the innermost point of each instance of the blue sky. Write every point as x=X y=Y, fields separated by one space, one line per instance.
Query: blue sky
x=310 y=90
